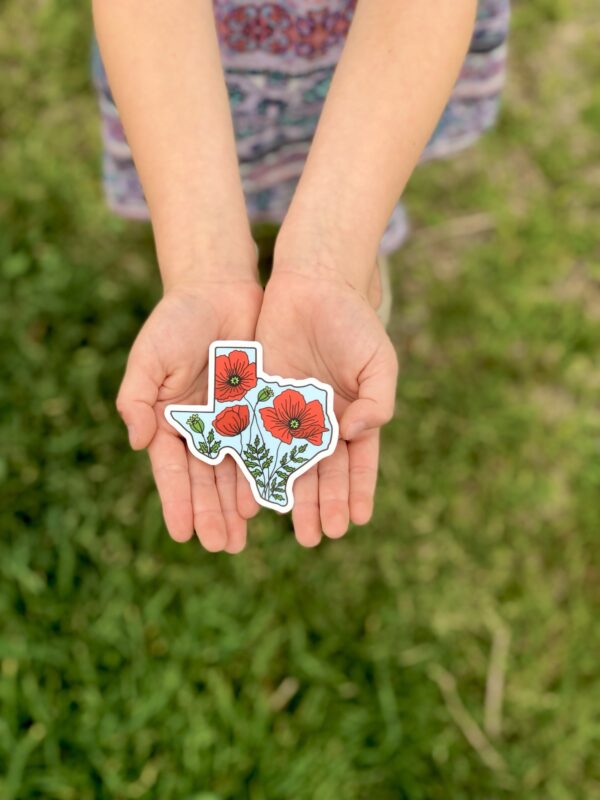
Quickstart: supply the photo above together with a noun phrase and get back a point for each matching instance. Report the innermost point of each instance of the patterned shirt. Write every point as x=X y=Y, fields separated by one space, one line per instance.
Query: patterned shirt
x=279 y=59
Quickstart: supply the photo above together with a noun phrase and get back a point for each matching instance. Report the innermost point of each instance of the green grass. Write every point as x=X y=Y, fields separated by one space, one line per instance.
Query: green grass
x=447 y=651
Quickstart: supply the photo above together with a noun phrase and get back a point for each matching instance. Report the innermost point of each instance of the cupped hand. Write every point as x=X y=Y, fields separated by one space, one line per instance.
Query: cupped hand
x=324 y=328
x=168 y=363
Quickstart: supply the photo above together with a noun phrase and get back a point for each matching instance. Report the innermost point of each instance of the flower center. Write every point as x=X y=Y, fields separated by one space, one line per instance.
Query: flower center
x=234 y=380
x=294 y=424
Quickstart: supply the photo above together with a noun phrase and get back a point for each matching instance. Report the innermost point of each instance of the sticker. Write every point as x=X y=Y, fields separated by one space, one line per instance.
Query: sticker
x=275 y=428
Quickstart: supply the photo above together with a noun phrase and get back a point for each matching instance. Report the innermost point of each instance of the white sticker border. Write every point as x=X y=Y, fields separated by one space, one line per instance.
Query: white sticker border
x=284 y=383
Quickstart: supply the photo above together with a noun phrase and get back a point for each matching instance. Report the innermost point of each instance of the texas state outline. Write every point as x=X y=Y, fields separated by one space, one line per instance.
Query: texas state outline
x=176 y=415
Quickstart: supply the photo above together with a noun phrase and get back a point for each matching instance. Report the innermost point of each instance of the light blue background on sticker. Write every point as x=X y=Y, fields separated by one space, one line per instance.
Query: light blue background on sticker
x=275 y=446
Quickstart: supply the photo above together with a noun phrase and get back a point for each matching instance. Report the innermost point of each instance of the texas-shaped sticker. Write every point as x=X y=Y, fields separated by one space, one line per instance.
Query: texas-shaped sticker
x=275 y=428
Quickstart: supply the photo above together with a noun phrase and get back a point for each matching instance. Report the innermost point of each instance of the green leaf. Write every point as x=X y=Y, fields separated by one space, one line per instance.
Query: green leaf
x=303 y=448
x=211 y=436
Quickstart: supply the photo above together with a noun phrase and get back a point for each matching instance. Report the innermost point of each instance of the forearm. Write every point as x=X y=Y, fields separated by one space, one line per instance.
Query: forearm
x=396 y=72
x=164 y=68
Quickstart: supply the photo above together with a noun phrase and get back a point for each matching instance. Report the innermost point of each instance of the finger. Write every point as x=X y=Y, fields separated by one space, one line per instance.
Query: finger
x=170 y=469
x=334 y=484
x=226 y=479
x=208 y=516
x=136 y=399
x=376 y=394
x=363 y=454
x=305 y=512
x=246 y=504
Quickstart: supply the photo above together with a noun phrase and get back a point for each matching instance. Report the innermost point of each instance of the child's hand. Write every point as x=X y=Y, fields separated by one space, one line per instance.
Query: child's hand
x=168 y=364
x=321 y=327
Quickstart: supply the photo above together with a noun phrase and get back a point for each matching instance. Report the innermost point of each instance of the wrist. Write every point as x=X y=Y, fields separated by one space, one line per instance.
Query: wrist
x=223 y=258
x=314 y=248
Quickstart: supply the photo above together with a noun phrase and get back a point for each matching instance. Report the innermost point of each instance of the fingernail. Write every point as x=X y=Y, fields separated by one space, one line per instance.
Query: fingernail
x=131 y=432
x=355 y=430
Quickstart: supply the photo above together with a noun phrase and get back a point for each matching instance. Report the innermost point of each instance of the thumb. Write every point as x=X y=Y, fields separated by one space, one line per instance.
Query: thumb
x=376 y=395
x=136 y=400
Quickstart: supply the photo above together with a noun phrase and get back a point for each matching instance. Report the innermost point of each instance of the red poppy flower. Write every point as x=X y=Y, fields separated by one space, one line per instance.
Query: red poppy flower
x=234 y=376
x=232 y=421
x=293 y=418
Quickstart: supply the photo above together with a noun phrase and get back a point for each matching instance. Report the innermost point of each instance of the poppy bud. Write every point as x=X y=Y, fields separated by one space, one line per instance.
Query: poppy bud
x=265 y=394
x=196 y=423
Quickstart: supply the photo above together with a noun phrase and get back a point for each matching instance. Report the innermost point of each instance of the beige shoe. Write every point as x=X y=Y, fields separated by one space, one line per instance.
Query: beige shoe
x=384 y=310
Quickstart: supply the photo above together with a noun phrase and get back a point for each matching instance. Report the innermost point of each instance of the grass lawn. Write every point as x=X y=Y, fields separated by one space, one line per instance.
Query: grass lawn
x=449 y=650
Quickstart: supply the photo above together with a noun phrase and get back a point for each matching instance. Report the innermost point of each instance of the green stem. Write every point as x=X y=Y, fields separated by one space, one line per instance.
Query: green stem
x=252 y=418
x=252 y=421
x=206 y=445
x=274 y=468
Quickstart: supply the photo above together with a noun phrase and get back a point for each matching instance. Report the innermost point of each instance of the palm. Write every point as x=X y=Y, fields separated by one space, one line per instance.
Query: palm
x=181 y=328
x=331 y=334
x=168 y=364
x=328 y=331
